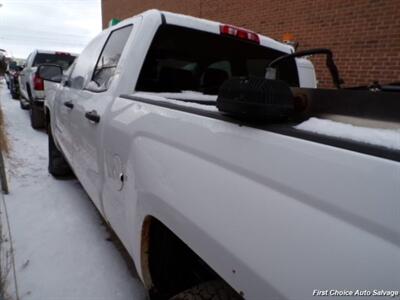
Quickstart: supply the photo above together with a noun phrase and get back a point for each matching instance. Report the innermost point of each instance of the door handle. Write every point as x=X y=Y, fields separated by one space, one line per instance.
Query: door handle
x=69 y=104
x=92 y=116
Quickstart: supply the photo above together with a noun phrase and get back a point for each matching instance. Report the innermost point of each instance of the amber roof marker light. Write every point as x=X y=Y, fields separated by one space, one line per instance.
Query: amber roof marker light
x=289 y=38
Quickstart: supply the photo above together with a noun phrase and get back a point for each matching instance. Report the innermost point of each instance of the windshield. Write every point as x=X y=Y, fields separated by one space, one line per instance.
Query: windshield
x=182 y=59
x=63 y=60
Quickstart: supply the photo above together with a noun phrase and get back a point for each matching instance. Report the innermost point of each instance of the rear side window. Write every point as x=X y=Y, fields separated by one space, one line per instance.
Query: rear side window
x=109 y=57
x=182 y=59
x=62 y=59
x=86 y=61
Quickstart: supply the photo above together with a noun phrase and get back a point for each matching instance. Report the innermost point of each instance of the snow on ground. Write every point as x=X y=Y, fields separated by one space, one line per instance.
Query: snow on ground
x=60 y=245
x=389 y=138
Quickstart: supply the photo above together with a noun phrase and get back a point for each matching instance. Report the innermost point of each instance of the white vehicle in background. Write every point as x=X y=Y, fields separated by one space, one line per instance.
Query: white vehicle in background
x=156 y=121
x=52 y=86
x=32 y=86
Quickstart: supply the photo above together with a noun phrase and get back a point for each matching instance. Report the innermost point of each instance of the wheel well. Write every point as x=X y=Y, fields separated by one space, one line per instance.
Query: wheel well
x=28 y=90
x=169 y=266
x=47 y=115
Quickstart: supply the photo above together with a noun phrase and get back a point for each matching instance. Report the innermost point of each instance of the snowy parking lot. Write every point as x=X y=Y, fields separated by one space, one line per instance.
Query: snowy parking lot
x=61 y=246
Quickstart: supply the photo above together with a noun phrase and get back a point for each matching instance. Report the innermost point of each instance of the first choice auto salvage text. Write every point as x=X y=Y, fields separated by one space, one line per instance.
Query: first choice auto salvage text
x=355 y=293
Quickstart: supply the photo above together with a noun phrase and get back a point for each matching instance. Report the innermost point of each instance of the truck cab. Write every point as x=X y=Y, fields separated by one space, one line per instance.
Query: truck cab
x=154 y=52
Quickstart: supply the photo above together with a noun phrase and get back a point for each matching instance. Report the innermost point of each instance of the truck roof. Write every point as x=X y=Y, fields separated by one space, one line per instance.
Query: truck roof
x=54 y=52
x=204 y=25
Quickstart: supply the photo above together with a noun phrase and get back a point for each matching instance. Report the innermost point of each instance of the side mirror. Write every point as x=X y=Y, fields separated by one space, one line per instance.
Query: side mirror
x=77 y=82
x=50 y=72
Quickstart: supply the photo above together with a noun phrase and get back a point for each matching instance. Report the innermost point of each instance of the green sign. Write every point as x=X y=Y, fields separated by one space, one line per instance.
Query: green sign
x=113 y=22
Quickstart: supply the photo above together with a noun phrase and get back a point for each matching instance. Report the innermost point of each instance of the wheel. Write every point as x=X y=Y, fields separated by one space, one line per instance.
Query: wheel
x=11 y=87
x=37 y=117
x=212 y=290
x=58 y=166
x=23 y=104
x=13 y=90
x=14 y=95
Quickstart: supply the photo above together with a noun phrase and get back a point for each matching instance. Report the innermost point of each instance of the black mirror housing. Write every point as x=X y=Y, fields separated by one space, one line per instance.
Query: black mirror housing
x=50 y=72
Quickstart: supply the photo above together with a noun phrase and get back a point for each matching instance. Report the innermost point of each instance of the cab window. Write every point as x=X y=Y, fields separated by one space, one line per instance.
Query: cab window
x=109 y=58
x=181 y=59
x=86 y=62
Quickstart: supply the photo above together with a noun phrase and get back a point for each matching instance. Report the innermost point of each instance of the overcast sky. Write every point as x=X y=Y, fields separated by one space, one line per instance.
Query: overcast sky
x=64 y=25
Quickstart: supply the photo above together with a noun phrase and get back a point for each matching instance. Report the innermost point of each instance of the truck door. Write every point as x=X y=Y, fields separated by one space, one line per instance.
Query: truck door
x=88 y=116
x=63 y=105
x=69 y=96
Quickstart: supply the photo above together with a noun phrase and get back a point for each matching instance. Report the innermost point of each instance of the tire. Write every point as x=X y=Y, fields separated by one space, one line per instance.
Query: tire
x=23 y=104
x=11 y=87
x=13 y=91
x=37 y=117
x=58 y=166
x=212 y=290
x=15 y=96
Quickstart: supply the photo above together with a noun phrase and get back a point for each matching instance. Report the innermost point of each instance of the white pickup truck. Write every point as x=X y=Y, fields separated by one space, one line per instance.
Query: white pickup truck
x=31 y=86
x=214 y=207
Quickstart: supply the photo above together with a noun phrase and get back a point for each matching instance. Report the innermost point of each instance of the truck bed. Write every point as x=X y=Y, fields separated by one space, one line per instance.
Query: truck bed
x=322 y=211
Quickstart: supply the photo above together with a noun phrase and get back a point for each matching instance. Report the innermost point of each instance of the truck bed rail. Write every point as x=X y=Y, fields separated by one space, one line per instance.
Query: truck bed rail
x=288 y=129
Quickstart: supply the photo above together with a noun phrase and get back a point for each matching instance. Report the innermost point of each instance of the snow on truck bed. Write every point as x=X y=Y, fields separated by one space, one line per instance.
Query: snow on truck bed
x=176 y=98
x=188 y=95
x=388 y=138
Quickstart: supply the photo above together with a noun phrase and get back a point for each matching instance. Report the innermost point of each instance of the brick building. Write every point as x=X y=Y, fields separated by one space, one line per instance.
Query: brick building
x=363 y=34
